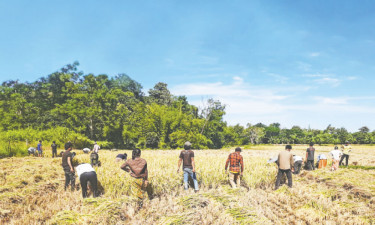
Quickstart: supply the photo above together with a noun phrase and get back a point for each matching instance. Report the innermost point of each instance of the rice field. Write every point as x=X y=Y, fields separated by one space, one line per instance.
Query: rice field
x=32 y=191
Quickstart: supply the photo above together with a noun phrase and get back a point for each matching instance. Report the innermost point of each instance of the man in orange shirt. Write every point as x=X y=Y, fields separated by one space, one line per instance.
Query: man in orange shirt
x=235 y=160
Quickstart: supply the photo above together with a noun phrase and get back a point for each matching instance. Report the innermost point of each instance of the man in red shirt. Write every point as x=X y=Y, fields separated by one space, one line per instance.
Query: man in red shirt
x=235 y=161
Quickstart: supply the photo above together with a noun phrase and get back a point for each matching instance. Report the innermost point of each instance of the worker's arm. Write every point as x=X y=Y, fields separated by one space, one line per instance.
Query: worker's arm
x=146 y=173
x=193 y=164
x=291 y=162
x=306 y=156
x=242 y=166
x=70 y=164
x=179 y=165
x=226 y=164
x=125 y=167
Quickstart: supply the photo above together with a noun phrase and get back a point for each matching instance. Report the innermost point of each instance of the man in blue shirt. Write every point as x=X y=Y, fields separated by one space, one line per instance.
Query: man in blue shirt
x=39 y=148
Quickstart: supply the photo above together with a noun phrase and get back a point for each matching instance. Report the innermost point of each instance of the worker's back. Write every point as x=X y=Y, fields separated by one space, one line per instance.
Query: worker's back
x=285 y=160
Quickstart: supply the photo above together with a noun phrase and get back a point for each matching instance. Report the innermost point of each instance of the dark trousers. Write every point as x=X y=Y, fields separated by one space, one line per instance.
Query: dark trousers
x=310 y=165
x=70 y=179
x=92 y=178
x=297 y=167
x=54 y=154
x=342 y=159
x=279 y=176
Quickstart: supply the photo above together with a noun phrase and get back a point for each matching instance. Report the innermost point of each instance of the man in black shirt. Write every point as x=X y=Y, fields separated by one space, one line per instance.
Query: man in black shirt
x=54 y=149
x=67 y=164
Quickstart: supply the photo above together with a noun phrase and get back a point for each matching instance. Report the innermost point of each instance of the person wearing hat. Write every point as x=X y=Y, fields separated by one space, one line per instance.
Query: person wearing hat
x=345 y=152
x=336 y=154
x=286 y=166
x=235 y=162
x=188 y=166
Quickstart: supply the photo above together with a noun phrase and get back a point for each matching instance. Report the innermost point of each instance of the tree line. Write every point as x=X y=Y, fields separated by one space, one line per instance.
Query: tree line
x=116 y=111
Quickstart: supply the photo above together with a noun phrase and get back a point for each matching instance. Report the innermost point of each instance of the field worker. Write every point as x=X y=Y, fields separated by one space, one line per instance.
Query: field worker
x=235 y=162
x=121 y=157
x=67 y=164
x=286 y=163
x=297 y=163
x=137 y=167
x=31 y=151
x=345 y=153
x=87 y=177
x=54 y=149
x=310 y=157
x=336 y=154
x=39 y=148
x=96 y=148
x=188 y=166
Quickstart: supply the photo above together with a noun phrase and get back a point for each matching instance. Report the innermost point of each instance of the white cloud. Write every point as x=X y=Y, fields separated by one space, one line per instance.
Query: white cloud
x=248 y=103
x=314 y=54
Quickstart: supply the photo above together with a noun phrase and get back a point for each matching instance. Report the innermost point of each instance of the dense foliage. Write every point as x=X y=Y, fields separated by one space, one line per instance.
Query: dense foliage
x=115 y=110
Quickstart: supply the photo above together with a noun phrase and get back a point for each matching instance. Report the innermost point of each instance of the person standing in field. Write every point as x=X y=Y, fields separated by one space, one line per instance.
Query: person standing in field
x=310 y=157
x=67 y=164
x=297 y=163
x=236 y=167
x=336 y=154
x=96 y=148
x=87 y=177
x=54 y=149
x=345 y=153
x=137 y=167
x=40 y=149
x=188 y=166
x=286 y=163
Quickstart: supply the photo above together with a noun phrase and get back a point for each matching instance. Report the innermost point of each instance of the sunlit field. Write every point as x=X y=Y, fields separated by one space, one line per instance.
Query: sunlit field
x=32 y=191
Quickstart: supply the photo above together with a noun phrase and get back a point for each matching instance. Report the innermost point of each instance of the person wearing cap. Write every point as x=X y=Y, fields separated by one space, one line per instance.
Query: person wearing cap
x=345 y=153
x=137 y=168
x=188 y=166
x=236 y=167
x=87 y=177
x=336 y=154
x=286 y=163
x=310 y=157
x=96 y=148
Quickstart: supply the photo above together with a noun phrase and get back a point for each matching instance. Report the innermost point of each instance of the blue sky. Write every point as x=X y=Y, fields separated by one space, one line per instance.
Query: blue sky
x=306 y=63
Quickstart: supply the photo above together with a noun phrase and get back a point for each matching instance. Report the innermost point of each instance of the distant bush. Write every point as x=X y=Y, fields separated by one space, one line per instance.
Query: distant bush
x=16 y=142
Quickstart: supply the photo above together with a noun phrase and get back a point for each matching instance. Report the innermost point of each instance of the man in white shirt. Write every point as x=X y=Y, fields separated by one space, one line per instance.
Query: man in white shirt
x=336 y=154
x=96 y=148
x=87 y=174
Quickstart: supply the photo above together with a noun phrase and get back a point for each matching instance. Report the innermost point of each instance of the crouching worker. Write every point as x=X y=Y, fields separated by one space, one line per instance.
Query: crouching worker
x=67 y=164
x=297 y=163
x=286 y=163
x=235 y=162
x=121 y=157
x=87 y=177
x=137 y=168
x=94 y=157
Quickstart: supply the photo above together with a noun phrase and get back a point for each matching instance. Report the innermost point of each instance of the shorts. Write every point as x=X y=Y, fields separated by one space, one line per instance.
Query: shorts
x=40 y=151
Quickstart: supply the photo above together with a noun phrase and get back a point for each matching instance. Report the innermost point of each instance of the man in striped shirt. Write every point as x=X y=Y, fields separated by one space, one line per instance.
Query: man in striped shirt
x=235 y=162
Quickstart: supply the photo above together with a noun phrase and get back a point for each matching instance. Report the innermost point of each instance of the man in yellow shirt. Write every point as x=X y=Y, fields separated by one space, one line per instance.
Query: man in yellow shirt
x=345 y=152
